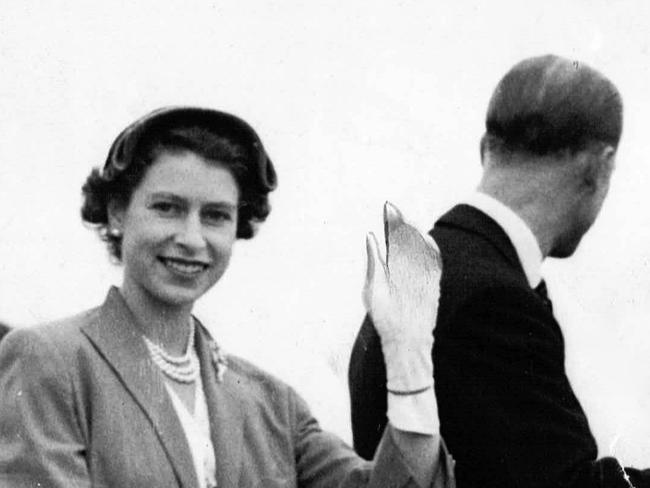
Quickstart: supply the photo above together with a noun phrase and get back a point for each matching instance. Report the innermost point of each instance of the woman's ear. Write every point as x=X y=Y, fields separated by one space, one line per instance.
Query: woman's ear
x=116 y=212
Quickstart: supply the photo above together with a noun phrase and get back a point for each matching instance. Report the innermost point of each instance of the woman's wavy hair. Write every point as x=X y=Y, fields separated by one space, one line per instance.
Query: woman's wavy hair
x=213 y=135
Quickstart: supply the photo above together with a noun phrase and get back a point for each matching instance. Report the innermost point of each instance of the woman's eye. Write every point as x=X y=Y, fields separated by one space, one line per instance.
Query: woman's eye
x=165 y=208
x=217 y=217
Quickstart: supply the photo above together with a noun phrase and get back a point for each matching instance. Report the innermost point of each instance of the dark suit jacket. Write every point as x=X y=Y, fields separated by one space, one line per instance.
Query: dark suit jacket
x=508 y=413
x=82 y=404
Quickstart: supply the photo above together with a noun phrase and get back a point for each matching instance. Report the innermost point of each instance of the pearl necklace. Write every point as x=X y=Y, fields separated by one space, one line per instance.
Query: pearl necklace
x=183 y=369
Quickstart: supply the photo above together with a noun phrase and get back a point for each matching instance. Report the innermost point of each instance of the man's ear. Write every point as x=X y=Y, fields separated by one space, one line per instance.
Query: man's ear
x=116 y=212
x=483 y=148
x=597 y=166
x=608 y=160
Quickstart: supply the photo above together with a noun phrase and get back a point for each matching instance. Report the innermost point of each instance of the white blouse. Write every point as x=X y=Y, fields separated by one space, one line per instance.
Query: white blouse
x=197 y=432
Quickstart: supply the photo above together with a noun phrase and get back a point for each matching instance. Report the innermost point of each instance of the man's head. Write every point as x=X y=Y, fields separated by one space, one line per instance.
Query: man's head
x=552 y=129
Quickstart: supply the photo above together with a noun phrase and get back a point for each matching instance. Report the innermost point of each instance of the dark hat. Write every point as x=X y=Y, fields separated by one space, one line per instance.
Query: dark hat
x=124 y=148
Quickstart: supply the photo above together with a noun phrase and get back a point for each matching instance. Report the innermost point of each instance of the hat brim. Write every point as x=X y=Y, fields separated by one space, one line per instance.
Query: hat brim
x=124 y=147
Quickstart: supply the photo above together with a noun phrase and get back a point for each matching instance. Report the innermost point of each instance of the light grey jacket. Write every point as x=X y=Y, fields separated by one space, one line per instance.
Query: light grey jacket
x=82 y=404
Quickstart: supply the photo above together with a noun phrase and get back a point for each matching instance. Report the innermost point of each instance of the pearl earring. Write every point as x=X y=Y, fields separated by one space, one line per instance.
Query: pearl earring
x=115 y=233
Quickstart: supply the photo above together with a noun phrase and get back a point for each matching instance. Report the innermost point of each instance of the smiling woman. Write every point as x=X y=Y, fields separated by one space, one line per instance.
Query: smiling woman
x=178 y=230
x=137 y=393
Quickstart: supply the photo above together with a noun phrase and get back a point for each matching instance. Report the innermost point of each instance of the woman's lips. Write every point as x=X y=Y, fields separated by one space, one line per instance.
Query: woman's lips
x=186 y=267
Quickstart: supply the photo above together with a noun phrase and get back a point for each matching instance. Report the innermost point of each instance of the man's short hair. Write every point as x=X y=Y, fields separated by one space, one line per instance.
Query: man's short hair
x=547 y=105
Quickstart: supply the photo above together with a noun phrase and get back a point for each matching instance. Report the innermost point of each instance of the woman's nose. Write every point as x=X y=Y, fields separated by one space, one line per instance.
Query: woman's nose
x=190 y=233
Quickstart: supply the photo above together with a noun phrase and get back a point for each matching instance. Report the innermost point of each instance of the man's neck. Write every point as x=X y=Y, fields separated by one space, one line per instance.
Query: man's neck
x=519 y=233
x=526 y=193
x=541 y=190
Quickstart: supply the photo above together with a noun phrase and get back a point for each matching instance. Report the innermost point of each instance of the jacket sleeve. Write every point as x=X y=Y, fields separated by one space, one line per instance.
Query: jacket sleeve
x=41 y=442
x=323 y=460
x=508 y=411
x=368 y=393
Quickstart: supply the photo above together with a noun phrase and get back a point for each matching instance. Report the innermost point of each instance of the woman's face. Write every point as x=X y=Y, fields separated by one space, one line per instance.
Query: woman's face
x=178 y=229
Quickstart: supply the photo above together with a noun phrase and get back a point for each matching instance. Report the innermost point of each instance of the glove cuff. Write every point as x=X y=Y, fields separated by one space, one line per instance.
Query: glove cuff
x=409 y=368
x=414 y=413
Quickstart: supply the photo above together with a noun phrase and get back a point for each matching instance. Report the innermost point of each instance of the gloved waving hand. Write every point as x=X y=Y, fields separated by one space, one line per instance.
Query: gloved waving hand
x=401 y=295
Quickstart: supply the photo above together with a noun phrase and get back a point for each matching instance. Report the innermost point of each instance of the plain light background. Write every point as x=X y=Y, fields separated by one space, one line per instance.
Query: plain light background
x=357 y=102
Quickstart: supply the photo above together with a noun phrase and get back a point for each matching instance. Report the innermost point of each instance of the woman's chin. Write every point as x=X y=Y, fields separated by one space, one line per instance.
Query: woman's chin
x=177 y=296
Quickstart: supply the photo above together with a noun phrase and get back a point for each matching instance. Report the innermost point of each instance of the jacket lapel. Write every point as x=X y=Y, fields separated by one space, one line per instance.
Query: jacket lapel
x=116 y=337
x=473 y=220
x=226 y=408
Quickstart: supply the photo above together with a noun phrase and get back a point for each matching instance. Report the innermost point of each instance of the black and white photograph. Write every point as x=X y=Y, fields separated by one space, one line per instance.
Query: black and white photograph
x=325 y=244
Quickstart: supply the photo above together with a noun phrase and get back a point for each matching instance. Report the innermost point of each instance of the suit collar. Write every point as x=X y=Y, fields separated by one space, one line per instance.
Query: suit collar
x=226 y=406
x=518 y=232
x=475 y=221
x=116 y=337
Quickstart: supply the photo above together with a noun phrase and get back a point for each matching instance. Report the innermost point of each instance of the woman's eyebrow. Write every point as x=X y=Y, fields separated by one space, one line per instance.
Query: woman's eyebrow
x=169 y=196
x=165 y=194
x=222 y=206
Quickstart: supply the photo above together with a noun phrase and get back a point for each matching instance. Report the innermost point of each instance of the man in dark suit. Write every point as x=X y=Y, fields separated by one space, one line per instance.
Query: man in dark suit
x=508 y=413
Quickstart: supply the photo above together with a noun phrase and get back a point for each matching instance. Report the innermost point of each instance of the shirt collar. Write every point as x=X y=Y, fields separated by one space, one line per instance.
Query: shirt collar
x=522 y=238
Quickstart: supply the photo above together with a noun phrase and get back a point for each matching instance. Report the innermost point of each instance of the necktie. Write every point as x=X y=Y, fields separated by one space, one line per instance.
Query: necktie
x=542 y=292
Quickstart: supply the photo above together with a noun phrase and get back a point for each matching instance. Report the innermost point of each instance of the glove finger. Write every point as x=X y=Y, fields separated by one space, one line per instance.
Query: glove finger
x=375 y=270
x=393 y=219
x=401 y=236
x=414 y=258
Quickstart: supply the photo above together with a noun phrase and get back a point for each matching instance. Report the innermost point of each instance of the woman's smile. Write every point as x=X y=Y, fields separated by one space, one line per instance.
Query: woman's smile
x=184 y=267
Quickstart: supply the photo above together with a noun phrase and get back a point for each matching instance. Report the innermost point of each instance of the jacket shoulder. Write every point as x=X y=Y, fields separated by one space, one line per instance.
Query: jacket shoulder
x=476 y=255
x=482 y=280
x=60 y=335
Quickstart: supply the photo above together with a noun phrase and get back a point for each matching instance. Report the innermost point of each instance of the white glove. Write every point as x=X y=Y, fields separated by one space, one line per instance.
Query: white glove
x=401 y=295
